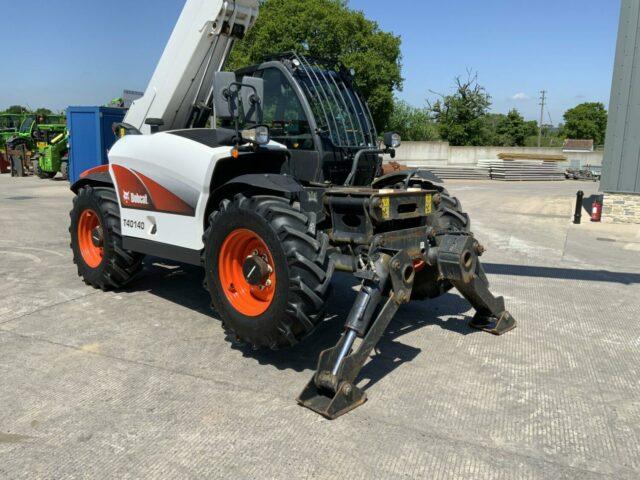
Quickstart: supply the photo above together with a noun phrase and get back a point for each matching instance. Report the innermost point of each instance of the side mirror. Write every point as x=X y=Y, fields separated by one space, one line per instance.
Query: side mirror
x=252 y=93
x=223 y=100
x=391 y=140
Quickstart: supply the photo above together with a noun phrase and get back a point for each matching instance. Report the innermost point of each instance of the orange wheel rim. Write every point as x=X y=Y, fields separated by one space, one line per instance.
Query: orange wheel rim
x=250 y=300
x=90 y=248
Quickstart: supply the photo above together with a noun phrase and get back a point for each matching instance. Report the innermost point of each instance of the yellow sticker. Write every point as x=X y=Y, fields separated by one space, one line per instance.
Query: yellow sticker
x=386 y=207
x=427 y=204
x=42 y=144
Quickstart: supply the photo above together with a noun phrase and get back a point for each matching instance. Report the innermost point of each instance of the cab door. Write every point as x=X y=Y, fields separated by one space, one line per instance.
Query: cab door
x=289 y=124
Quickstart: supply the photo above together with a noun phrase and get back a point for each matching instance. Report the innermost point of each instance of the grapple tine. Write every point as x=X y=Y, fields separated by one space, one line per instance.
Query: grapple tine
x=332 y=391
x=458 y=262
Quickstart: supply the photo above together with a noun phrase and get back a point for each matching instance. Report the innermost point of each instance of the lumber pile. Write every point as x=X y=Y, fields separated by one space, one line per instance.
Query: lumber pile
x=532 y=157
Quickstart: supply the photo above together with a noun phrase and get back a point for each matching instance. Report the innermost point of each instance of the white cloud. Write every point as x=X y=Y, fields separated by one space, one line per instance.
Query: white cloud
x=521 y=96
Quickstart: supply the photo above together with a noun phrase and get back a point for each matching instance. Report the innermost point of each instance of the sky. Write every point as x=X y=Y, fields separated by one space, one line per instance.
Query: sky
x=85 y=52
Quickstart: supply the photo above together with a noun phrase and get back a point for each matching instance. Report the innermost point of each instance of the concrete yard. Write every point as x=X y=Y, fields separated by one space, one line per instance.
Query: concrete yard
x=142 y=383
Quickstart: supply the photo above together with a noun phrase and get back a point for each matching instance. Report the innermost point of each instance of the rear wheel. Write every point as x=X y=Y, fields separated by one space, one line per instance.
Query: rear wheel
x=96 y=240
x=267 y=270
x=64 y=170
x=41 y=173
x=447 y=217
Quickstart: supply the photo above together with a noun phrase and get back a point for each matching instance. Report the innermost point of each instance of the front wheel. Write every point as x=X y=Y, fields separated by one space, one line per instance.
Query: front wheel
x=37 y=170
x=448 y=217
x=96 y=240
x=267 y=270
x=64 y=170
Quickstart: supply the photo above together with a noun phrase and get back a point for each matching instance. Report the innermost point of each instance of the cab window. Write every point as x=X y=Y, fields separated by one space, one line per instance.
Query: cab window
x=283 y=112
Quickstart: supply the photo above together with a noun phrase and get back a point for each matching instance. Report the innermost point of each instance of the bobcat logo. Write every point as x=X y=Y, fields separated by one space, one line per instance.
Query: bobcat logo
x=135 y=198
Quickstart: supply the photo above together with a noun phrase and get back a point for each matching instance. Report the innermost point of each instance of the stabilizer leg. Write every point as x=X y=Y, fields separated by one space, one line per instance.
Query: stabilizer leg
x=332 y=391
x=458 y=262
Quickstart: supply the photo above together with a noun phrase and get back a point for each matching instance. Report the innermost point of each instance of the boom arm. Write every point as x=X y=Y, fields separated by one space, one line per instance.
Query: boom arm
x=199 y=45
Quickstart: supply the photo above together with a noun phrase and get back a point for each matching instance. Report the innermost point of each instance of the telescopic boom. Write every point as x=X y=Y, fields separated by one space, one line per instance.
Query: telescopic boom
x=181 y=86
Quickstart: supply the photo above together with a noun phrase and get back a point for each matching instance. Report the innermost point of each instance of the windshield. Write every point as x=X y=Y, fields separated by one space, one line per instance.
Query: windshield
x=9 y=121
x=26 y=125
x=339 y=112
x=283 y=113
x=54 y=119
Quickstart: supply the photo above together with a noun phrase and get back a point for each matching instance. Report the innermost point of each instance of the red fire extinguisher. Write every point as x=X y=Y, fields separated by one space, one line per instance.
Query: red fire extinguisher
x=596 y=210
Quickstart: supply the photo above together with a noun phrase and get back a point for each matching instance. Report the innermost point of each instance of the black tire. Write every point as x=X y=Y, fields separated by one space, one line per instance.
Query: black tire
x=64 y=170
x=302 y=267
x=41 y=173
x=447 y=217
x=117 y=266
x=36 y=168
x=17 y=161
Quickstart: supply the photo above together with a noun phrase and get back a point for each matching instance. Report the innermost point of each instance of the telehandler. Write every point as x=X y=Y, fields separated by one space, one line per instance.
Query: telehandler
x=9 y=123
x=35 y=133
x=52 y=157
x=283 y=191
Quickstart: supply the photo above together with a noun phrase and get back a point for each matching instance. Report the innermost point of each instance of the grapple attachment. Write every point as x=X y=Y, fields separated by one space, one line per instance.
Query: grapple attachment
x=332 y=391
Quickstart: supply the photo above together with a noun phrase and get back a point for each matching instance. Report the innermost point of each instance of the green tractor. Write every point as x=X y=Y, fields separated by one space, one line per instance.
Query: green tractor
x=35 y=133
x=52 y=157
x=9 y=124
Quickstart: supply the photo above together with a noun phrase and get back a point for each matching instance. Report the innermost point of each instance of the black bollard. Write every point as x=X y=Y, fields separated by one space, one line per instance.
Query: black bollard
x=578 y=214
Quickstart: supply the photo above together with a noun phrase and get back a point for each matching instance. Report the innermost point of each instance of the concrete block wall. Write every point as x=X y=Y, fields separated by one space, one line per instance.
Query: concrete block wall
x=621 y=208
x=441 y=153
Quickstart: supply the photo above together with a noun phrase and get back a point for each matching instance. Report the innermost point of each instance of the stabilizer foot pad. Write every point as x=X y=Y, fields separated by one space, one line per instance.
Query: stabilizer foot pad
x=493 y=325
x=321 y=401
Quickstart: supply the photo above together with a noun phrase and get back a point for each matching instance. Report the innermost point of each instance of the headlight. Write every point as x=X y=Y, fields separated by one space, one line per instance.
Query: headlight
x=392 y=140
x=258 y=135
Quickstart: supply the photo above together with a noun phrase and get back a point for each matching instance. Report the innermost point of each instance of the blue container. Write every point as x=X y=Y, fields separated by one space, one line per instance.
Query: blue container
x=90 y=137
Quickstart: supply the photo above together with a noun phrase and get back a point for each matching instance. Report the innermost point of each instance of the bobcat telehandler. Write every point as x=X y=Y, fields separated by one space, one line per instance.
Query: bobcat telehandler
x=284 y=191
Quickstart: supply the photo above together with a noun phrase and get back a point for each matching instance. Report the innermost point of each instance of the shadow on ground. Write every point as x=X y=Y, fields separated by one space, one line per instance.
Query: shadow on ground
x=182 y=284
x=625 y=278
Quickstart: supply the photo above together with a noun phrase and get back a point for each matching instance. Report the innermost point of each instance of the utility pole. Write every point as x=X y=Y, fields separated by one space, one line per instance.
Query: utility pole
x=543 y=97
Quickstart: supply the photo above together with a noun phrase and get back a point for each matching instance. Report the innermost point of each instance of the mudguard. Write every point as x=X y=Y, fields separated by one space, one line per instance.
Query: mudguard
x=266 y=182
x=99 y=176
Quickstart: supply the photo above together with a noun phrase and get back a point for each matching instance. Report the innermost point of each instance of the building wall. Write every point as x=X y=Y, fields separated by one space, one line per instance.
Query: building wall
x=621 y=166
x=441 y=153
x=621 y=208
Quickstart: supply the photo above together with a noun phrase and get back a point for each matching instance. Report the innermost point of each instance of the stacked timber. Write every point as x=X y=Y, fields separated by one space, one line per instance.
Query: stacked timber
x=532 y=157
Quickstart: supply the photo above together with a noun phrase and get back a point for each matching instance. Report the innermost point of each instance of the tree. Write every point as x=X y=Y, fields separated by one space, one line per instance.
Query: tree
x=491 y=122
x=43 y=111
x=531 y=128
x=513 y=129
x=17 y=109
x=461 y=115
x=328 y=29
x=507 y=130
x=413 y=124
x=586 y=121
